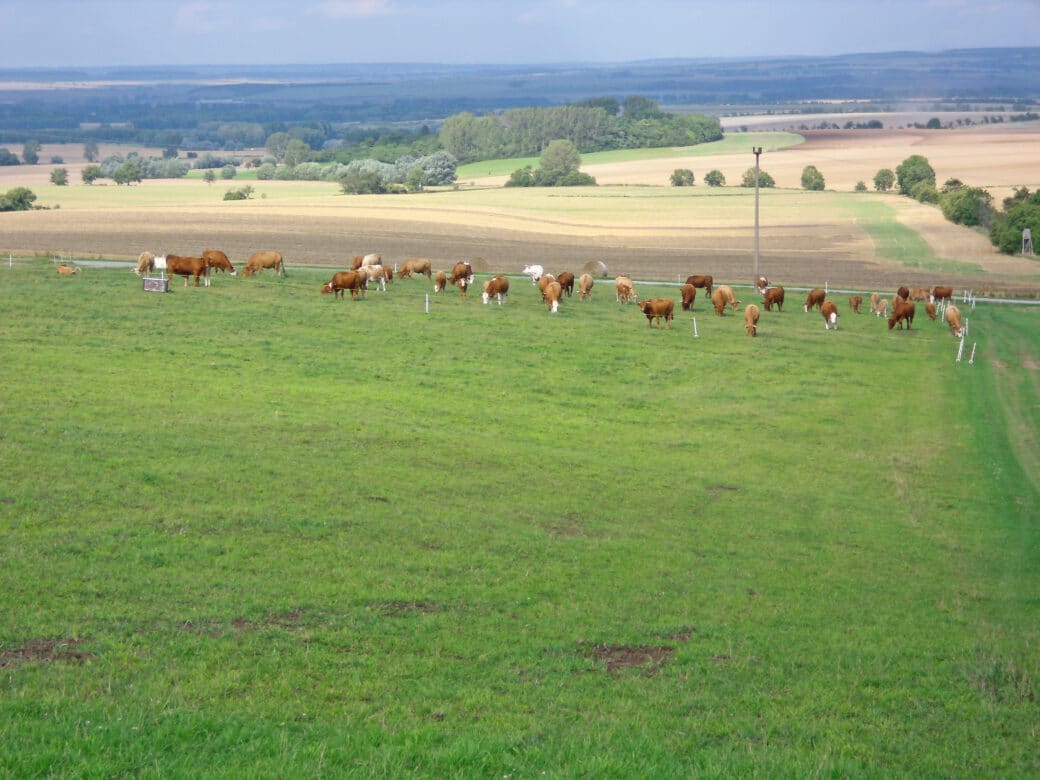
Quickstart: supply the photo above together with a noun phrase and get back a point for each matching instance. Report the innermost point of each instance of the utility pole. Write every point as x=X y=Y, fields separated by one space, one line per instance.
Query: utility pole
x=757 y=150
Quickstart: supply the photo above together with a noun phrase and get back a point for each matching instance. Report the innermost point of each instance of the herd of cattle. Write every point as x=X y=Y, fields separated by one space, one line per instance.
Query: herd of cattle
x=369 y=269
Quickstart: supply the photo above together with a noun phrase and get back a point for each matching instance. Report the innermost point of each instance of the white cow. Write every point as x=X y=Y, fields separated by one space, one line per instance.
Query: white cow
x=535 y=272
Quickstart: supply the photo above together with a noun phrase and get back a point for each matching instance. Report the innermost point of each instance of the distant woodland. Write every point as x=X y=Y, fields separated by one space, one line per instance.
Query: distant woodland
x=210 y=107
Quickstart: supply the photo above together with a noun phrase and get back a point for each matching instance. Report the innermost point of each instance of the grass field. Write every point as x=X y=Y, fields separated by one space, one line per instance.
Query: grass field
x=252 y=531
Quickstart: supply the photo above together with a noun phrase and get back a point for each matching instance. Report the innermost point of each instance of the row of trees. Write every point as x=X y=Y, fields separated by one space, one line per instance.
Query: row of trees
x=591 y=126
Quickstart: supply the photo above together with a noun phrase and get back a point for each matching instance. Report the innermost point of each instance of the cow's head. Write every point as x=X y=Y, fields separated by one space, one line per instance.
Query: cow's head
x=326 y=288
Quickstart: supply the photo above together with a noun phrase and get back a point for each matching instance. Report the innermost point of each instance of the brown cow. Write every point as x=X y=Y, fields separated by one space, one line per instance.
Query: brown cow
x=461 y=276
x=344 y=280
x=941 y=292
x=440 y=281
x=875 y=304
x=188 y=266
x=145 y=263
x=415 y=265
x=919 y=293
x=929 y=309
x=543 y=282
x=856 y=303
x=903 y=292
x=497 y=288
x=625 y=290
x=64 y=269
x=774 y=295
x=953 y=319
x=815 y=298
x=702 y=281
x=728 y=294
x=902 y=311
x=218 y=260
x=829 y=310
x=718 y=300
x=656 y=308
x=751 y=319
x=585 y=287
x=566 y=280
x=258 y=261
x=553 y=292
x=689 y=296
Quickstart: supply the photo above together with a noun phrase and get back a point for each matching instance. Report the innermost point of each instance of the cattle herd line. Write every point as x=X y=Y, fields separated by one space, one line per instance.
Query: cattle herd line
x=369 y=269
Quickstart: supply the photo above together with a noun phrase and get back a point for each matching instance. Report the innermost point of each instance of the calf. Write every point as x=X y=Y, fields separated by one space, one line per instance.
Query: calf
x=953 y=319
x=751 y=319
x=689 y=295
x=902 y=311
x=656 y=308
x=440 y=281
x=69 y=270
x=553 y=293
x=929 y=309
x=830 y=315
x=351 y=280
x=815 y=298
x=856 y=303
x=625 y=290
x=701 y=280
x=461 y=276
x=774 y=295
x=585 y=287
x=496 y=288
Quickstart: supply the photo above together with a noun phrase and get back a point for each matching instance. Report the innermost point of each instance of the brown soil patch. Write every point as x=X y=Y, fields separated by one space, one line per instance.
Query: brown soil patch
x=44 y=650
x=401 y=608
x=617 y=657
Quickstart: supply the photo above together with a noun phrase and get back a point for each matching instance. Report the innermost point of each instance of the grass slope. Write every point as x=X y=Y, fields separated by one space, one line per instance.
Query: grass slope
x=251 y=530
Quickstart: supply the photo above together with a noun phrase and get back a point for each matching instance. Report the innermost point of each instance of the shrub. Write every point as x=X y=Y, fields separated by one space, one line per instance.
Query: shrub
x=714 y=178
x=764 y=179
x=812 y=179
x=682 y=177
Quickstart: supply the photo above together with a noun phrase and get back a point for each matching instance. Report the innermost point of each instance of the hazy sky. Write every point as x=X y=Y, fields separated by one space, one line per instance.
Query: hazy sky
x=163 y=32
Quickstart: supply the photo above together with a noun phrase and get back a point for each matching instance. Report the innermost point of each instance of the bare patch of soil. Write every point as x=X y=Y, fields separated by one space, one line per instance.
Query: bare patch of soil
x=402 y=608
x=618 y=657
x=45 y=651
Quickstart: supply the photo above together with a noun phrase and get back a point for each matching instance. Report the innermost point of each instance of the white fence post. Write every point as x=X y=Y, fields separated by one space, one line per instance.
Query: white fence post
x=696 y=335
x=971 y=360
x=427 y=303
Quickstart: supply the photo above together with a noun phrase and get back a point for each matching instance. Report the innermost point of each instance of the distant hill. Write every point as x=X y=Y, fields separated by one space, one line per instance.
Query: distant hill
x=186 y=98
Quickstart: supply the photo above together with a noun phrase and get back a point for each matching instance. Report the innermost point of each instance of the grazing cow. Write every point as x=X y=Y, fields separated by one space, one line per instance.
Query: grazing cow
x=415 y=265
x=701 y=281
x=689 y=296
x=727 y=293
x=624 y=288
x=535 y=272
x=953 y=319
x=903 y=292
x=856 y=303
x=585 y=283
x=258 y=261
x=188 y=266
x=761 y=283
x=902 y=311
x=929 y=309
x=774 y=295
x=145 y=263
x=718 y=300
x=751 y=319
x=941 y=293
x=882 y=309
x=66 y=270
x=553 y=292
x=545 y=281
x=345 y=280
x=919 y=293
x=440 y=281
x=566 y=280
x=656 y=308
x=875 y=302
x=815 y=298
x=461 y=276
x=495 y=288
x=374 y=273
x=829 y=310
x=218 y=260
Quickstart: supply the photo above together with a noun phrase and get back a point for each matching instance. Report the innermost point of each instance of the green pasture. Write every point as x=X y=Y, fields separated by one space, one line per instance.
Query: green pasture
x=251 y=530
x=733 y=143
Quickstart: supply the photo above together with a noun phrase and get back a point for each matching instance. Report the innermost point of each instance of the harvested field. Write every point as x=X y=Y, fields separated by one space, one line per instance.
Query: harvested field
x=633 y=222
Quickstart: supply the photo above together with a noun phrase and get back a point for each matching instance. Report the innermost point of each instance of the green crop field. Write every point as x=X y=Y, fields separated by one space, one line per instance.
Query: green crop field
x=254 y=531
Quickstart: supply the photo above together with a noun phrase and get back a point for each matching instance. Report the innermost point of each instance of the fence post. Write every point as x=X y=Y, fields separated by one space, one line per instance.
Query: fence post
x=695 y=334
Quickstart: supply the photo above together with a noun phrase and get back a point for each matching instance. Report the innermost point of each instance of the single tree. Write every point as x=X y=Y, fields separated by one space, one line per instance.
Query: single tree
x=60 y=177
x=31 y=152
x=714 y=178
x=812 y=179
x=884 y=179
x=682 y=177
x=90 y=151
x=559 y=159
x=228 y=172
x=861 y=186
x=90 y=173
x=7 y=157
x=209 y=176
x=912 y=171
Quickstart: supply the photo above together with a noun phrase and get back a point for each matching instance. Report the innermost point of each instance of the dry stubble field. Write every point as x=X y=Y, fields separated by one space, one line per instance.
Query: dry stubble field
x=633 y=221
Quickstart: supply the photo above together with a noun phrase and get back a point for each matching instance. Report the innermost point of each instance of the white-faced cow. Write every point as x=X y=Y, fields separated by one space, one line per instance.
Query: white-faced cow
x=496 y=288
x=829 y=310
